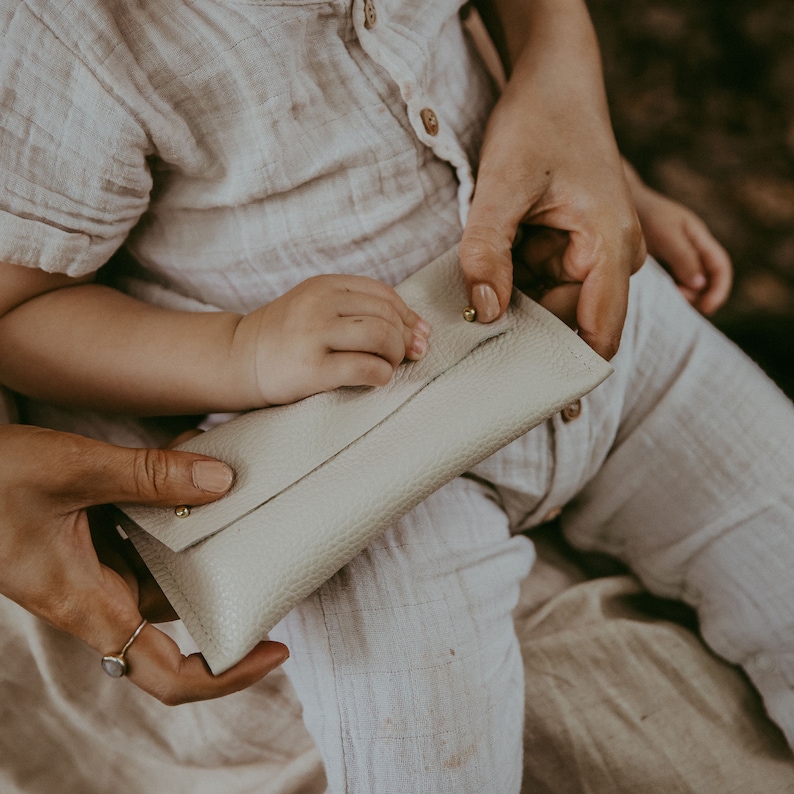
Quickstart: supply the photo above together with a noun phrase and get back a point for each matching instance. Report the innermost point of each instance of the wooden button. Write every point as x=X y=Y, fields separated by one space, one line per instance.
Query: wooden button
x=430 y=121
x=370 y=14
x=572 y=411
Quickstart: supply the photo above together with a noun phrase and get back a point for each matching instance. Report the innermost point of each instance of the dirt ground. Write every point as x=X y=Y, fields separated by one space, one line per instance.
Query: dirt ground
x=702 y=100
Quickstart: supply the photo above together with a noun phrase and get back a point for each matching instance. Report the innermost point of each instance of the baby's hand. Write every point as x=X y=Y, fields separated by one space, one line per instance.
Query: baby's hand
x=682 y=242
x=326 y=332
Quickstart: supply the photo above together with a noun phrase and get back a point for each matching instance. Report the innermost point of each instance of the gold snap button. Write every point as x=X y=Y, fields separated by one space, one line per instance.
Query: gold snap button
x=370 y=14
x=572 y=411
x=183 y=511
x=430 y=120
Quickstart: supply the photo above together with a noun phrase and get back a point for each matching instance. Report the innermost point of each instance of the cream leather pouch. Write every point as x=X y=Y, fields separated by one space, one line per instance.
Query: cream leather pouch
x=317 y=480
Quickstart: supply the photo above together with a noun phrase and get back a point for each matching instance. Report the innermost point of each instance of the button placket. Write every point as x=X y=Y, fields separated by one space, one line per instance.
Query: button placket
x=405 y=63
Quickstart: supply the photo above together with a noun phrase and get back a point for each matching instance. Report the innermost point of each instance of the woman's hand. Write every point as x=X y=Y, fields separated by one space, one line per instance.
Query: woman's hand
x=326 y=332
x=550 y=190
x=49 y=565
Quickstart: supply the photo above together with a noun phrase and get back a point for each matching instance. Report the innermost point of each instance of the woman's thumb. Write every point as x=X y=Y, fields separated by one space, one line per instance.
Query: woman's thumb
x=104 y=473
x=486 y=258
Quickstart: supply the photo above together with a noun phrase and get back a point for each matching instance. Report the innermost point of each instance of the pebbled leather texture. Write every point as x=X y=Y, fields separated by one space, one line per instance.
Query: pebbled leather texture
x=317 y=480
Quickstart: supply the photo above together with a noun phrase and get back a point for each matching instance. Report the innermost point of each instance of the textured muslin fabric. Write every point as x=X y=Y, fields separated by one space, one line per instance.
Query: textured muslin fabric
x=409 y=654
x=238 y=148
x=620 y=698
x=708 y=518
x=65 y=727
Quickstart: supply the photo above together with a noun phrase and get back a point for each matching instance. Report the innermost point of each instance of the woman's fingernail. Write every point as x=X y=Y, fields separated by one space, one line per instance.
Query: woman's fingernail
x=423 y=328
x=698 y=281
x=212 y=476
x=484 y=300
x=419 y=346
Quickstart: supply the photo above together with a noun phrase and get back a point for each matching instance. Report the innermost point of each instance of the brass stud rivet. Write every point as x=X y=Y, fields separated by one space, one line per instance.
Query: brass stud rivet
x=183 y=511
x=470 y=314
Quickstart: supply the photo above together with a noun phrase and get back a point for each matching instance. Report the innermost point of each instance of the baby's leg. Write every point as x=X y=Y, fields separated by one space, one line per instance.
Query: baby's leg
x=406 y=662
x=697 y=491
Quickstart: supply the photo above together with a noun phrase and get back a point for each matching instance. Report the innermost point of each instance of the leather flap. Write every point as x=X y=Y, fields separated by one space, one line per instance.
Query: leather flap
x=273 y=448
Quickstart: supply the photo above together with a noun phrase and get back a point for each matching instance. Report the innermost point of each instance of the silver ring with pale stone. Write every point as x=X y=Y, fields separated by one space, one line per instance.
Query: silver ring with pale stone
x=115 y=665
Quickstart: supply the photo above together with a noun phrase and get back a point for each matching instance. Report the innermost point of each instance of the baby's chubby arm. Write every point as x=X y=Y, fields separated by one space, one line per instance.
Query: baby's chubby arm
x=87 y=345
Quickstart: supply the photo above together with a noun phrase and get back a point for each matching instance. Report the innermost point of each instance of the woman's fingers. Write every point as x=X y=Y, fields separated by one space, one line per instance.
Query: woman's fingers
x=106 y=616
x=578 y=277
x=601 y=312
x=121 y=556
x=156 y=665
x=53 y=569
x=604 y=297
x=102 y=611
x=563 y=302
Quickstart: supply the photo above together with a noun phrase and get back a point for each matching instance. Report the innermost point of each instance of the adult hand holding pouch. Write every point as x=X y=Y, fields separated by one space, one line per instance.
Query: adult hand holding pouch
x=317 y=480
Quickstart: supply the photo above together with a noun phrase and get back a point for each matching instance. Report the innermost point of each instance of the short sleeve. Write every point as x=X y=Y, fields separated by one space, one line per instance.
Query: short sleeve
x=73 y=160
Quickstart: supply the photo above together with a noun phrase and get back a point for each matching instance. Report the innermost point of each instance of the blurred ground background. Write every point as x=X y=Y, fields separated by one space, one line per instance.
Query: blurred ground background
x=702 y=100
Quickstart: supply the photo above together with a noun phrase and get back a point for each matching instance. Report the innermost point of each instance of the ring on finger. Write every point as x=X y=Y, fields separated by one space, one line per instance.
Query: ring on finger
x=115 y=664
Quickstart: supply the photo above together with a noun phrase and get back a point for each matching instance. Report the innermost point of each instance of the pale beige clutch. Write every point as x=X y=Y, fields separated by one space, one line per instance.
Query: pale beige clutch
x=317 y=480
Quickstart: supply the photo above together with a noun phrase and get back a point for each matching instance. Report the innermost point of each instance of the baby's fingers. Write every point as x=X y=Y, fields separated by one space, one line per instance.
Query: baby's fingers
x=371 y=302
x=683 y=261
x=716 y=263
x=344 y=368
x=376 y=336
